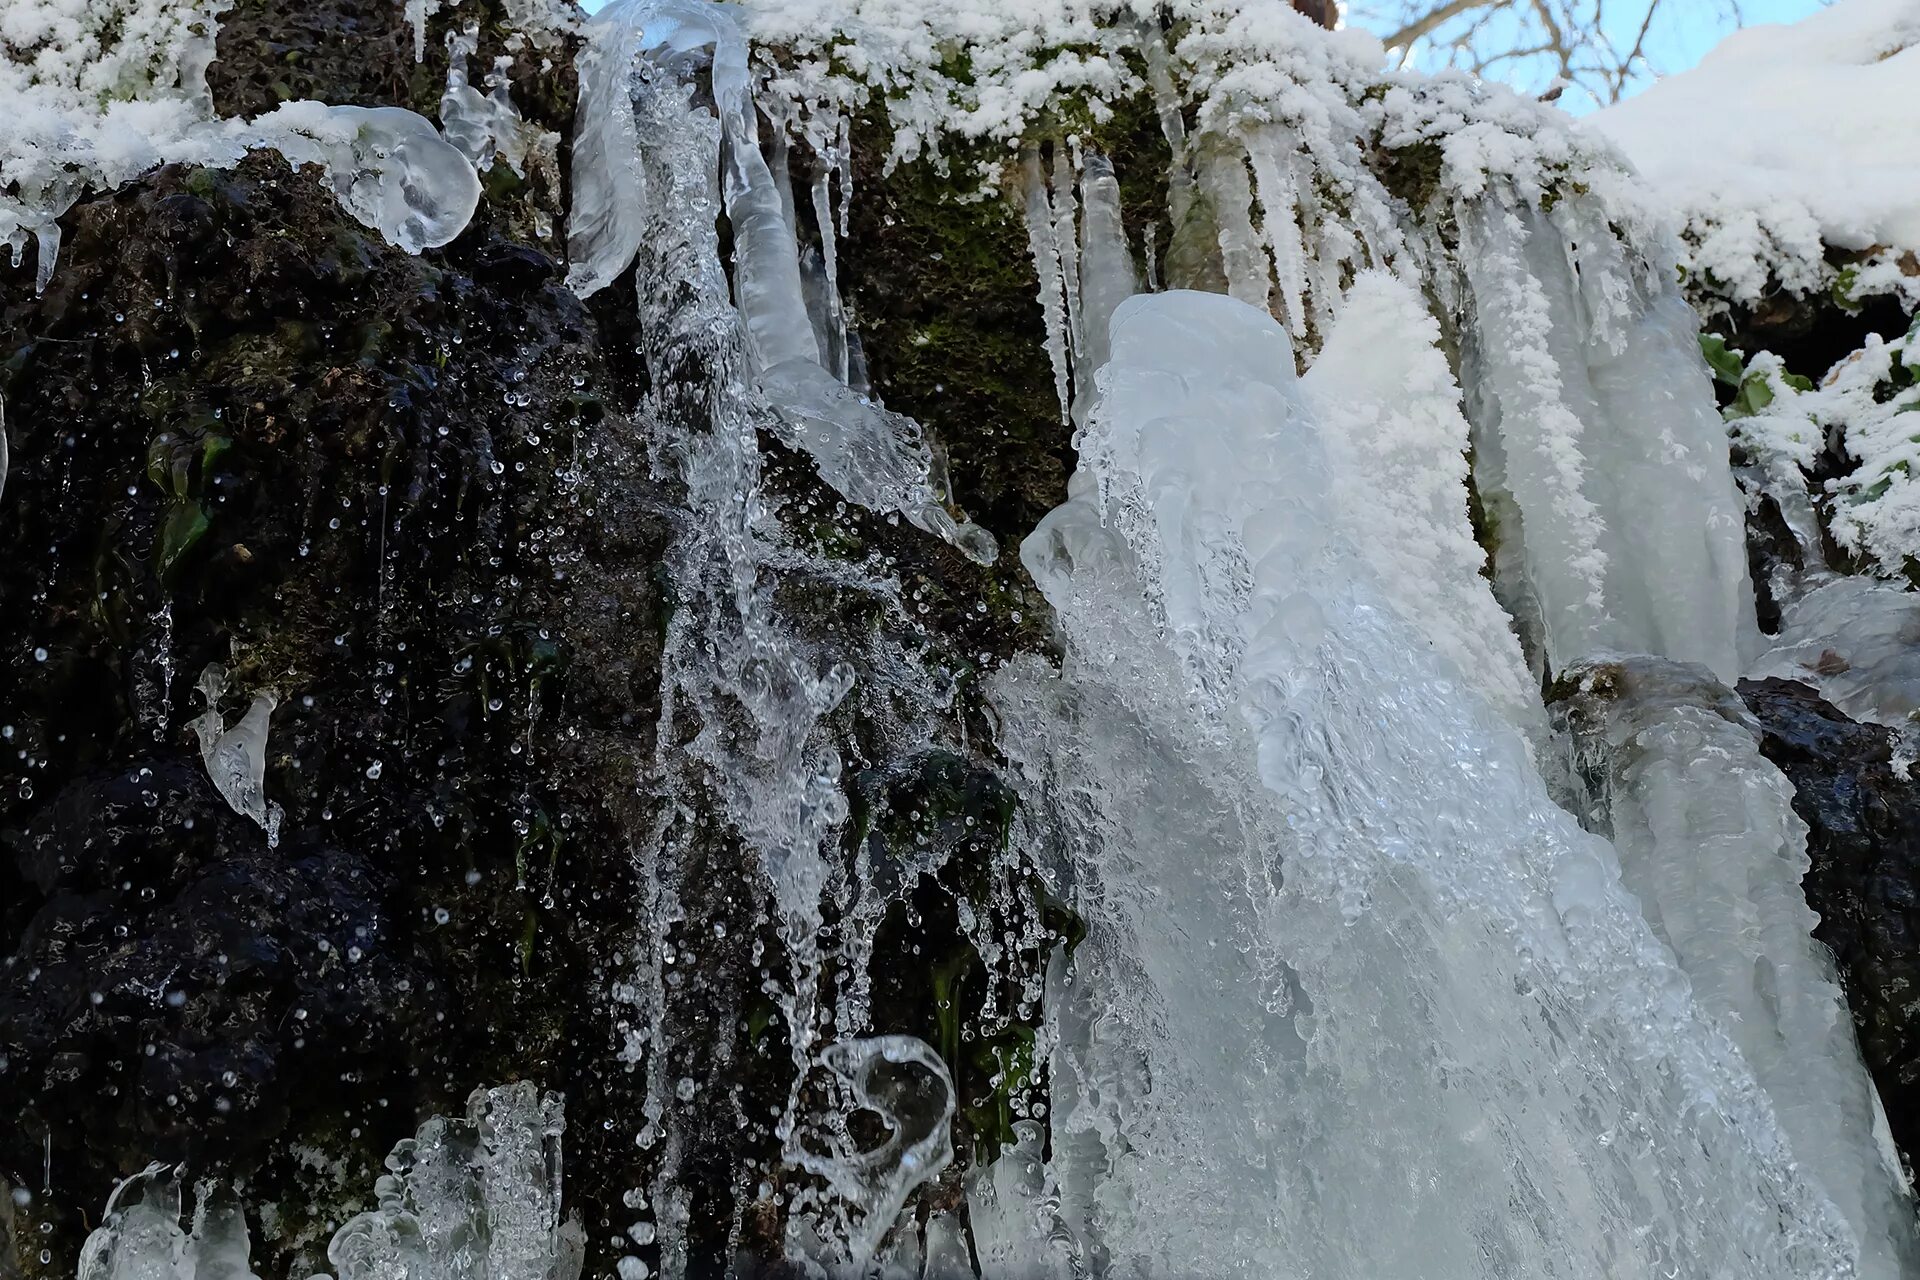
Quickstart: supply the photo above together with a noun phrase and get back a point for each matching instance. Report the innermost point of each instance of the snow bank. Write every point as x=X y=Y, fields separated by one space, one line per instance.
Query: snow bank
x=1786 y=139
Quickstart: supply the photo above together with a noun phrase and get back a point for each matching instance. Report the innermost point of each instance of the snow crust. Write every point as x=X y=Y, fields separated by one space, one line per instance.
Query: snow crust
x=1786 y=139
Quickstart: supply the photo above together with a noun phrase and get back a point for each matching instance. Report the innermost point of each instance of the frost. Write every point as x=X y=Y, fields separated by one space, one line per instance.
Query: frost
x=236 y=758
x=1393 y=428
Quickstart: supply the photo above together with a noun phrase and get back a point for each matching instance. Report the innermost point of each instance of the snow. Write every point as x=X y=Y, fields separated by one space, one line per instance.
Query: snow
x=1786 y=138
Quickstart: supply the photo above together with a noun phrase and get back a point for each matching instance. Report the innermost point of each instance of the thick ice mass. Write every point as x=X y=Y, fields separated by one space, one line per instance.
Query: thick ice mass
x=1396 y=925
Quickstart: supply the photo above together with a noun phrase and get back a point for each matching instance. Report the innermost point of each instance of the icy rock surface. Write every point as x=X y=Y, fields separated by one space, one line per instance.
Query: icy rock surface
x=1710 y=845
x=236 y=758
x=1857 y=640
x=1332 y=940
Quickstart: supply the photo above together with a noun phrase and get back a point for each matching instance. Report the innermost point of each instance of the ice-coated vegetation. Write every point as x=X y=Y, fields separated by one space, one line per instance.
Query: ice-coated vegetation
x=1387 y=427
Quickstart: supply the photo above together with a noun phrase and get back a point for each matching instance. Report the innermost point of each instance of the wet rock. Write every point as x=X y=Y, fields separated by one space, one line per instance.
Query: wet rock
x=1863 y=817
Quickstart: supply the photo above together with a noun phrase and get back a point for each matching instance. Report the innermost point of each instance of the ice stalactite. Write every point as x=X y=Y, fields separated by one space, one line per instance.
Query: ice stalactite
x=1348 y=905
x=1107 y=274
x=1710 y=846
x=418 y=11
x=1045 y=248
x=236 y=757
x=1586 y=384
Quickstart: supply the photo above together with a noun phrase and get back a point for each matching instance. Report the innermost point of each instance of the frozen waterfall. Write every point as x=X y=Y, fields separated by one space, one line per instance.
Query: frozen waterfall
x=1358 y=998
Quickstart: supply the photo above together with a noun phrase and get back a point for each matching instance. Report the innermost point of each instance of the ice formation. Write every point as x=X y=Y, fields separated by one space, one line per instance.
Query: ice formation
x=140 y=1237
x=470 y=1199
x=473 y=1198
x=1348 y=905
x=1357 y=996
x=236 y=757
x=1597 y=415
x=1710 y=846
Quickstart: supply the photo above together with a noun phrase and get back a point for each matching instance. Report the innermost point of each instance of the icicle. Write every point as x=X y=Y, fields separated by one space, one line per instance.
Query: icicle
x=1223 y=177
x=1710 y=845
x=1273 y=156
x=1046 y=265
x=3 y=447
x=418 y=11
x=1066 y=246
x=1540 y=433
x=1613 y=449
x=236 y=758
x=609 y=206
x=1106 y=265
x=836 y=310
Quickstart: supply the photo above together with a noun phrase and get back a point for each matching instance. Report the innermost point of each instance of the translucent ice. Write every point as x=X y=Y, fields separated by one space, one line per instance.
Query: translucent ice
x=870 y=455
x=389 y=167
x=1710 y=845
x=470 y=1199
x=1335 y=920
x=140 y=1236
x=236 y=758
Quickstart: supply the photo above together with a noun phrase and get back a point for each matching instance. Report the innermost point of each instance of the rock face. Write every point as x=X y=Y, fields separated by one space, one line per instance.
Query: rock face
x=405 y=496
x=1864 y=841
x=246 y=431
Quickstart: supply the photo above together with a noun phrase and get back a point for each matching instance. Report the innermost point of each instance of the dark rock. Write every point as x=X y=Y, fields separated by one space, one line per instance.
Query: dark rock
x=1863 y=837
